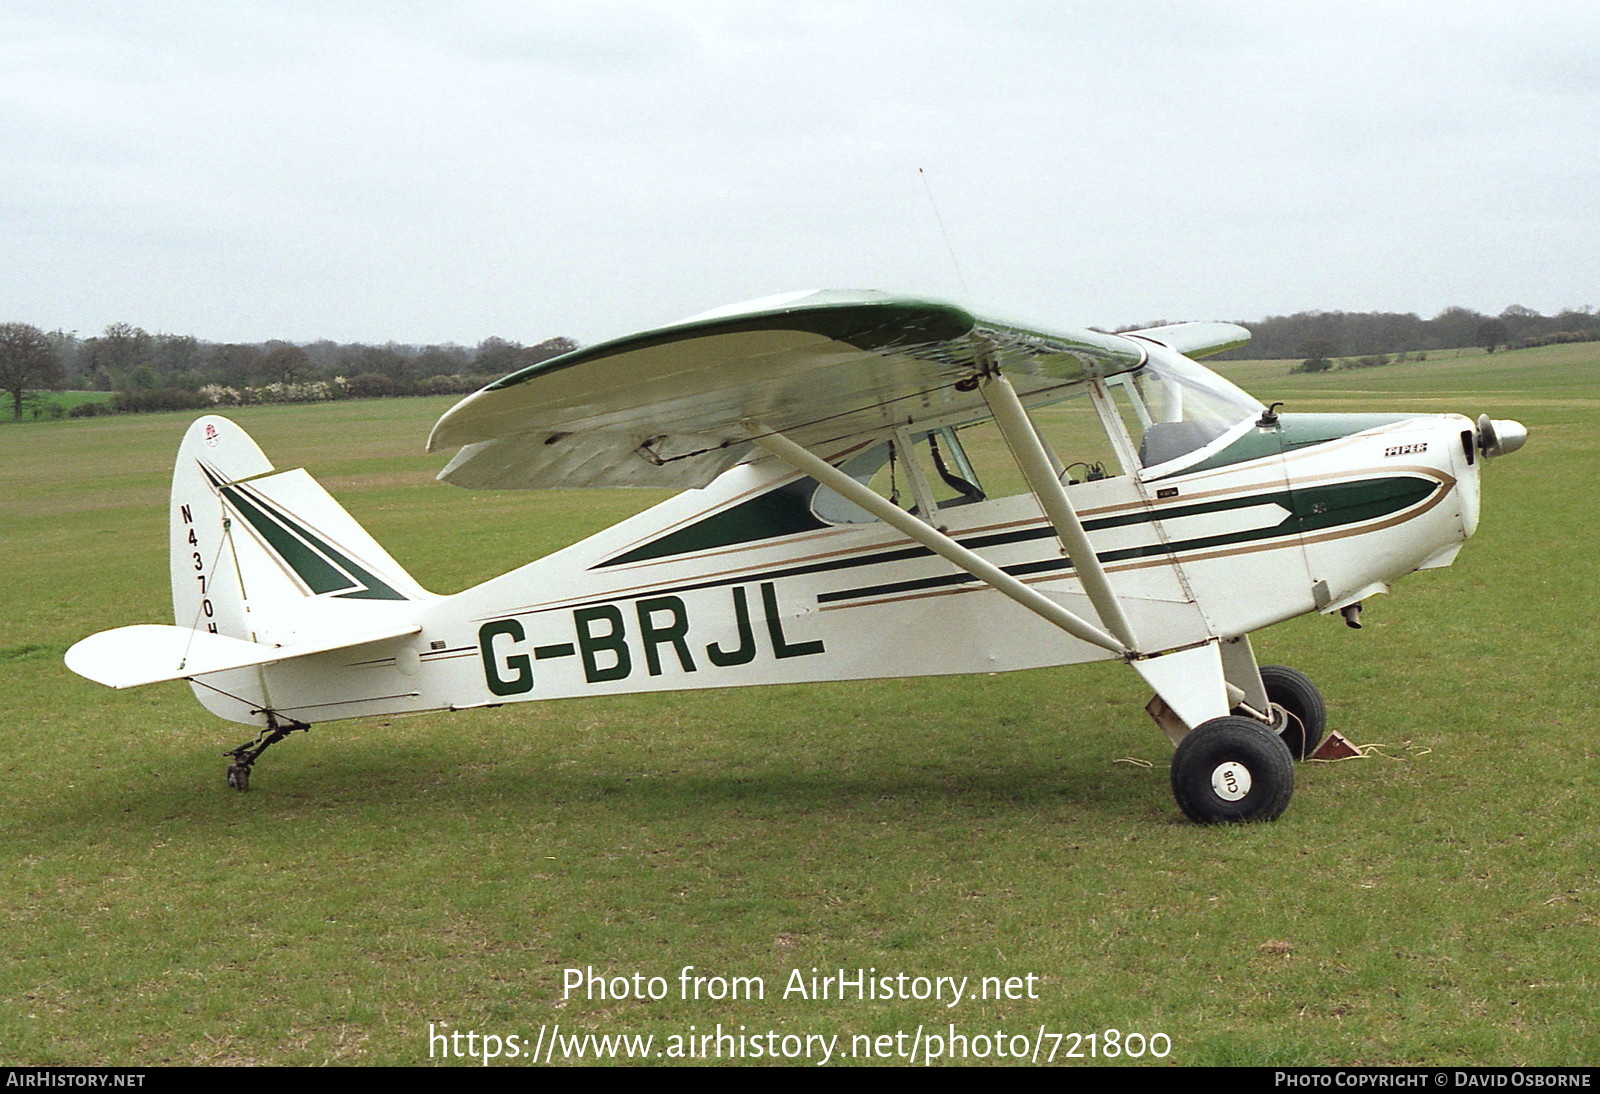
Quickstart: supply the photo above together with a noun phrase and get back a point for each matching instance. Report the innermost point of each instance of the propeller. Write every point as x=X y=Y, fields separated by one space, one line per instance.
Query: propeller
x=1497 y=437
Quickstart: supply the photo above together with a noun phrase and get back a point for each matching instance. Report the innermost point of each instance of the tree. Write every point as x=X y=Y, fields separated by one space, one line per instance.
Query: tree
x=496 y=356
x=68 y=348
x=27 y=360
x=176 y=359
x=120 y=350
x=1318 y=353
x=1455 y=326
x=234 y=364
x=285 y=362
x=386 y=360
x=446 y=360
x=544 y=351
x=1492 y=333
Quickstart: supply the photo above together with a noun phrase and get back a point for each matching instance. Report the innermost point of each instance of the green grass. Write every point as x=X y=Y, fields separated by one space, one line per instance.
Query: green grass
x=1437 y=904
x=66 y=400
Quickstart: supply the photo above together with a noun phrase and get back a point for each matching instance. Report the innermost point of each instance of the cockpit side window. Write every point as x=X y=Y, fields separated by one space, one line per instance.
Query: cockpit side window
x=893 y=470
x=1075 y=436
x=1168 y=409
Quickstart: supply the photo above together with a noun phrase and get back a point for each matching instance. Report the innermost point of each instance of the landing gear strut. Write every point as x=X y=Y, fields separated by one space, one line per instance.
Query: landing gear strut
x=245 y=756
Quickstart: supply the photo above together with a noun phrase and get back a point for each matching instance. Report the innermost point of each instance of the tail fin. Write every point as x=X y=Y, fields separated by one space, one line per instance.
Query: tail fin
x=268 y=563
x=245 y=546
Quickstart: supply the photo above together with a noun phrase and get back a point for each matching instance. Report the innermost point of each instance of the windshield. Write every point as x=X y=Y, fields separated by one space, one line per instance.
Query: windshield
x=1178 y=407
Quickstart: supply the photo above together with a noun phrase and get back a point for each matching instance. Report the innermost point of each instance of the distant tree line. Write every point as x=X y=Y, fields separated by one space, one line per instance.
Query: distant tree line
x=1323 y=335
x=178 y=371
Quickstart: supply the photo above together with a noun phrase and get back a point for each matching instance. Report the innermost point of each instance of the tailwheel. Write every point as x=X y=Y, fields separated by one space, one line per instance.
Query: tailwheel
x=1232 y=770
x=247 y=754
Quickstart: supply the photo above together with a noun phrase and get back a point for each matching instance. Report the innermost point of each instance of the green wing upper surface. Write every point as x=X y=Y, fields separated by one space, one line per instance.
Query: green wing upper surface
x=1196 y=339
x=665 y=408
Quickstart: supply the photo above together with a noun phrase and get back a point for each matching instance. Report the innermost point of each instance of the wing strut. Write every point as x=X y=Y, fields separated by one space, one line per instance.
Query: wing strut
x=1038 y=468
x=934 y=540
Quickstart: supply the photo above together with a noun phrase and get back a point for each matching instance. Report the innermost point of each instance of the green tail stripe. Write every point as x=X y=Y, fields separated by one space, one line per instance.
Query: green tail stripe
x=322 y=566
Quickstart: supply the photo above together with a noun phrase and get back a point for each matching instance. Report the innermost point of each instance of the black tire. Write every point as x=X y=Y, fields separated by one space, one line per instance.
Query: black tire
x=1298 y=713
x=1232 y=770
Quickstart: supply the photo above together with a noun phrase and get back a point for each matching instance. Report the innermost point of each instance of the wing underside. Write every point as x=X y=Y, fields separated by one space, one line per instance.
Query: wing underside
x=667 y=408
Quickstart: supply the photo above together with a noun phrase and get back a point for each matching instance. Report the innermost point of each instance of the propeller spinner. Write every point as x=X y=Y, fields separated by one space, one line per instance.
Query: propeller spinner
x=1499 y=436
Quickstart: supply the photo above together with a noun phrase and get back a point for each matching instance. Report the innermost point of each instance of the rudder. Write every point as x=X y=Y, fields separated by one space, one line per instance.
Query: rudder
x=266 y=558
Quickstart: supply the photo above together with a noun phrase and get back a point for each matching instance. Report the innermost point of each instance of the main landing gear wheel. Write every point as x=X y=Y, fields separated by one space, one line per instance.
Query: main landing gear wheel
x=1298 y=714
x=1232 y=770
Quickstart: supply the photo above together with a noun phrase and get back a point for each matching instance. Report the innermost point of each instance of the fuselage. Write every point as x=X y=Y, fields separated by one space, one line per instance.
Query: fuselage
x=744 y=583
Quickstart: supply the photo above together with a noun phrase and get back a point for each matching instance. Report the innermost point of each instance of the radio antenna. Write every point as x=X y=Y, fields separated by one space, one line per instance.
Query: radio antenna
x=942 y=231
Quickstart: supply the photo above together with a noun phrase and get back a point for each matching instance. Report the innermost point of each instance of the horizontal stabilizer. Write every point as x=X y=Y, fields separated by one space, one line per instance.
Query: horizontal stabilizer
x=148 y=653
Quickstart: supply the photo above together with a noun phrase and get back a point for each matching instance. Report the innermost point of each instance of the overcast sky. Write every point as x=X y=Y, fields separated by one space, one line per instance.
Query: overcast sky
x=430 y=172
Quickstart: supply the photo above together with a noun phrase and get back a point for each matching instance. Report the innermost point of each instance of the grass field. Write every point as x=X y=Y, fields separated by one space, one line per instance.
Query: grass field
x=1434 y=903
x=66 y=400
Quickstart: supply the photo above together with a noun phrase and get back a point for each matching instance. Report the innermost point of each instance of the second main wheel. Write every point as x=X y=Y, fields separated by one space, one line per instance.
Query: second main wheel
x=1298 y=713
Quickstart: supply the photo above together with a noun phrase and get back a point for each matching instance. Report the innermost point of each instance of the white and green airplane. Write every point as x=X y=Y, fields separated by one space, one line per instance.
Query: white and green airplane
x=873 y=486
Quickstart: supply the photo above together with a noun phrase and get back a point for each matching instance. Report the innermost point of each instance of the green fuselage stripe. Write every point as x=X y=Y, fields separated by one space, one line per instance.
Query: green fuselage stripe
x=786 y=510
x=1310 y=509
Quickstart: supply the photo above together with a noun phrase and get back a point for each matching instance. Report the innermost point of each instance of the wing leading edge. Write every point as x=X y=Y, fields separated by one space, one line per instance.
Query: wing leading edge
x=664 y=408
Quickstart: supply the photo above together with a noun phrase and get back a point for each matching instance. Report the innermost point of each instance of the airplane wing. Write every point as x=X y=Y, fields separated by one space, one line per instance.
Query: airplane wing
x=1196 y=339
x=664 y=408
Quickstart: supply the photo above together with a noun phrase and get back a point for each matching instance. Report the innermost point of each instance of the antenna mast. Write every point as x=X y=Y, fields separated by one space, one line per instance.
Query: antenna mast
x=966 y=292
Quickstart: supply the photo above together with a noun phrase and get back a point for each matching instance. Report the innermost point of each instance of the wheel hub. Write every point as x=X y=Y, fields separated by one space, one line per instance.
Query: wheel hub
x=1231 y=781
x=1280 y=718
